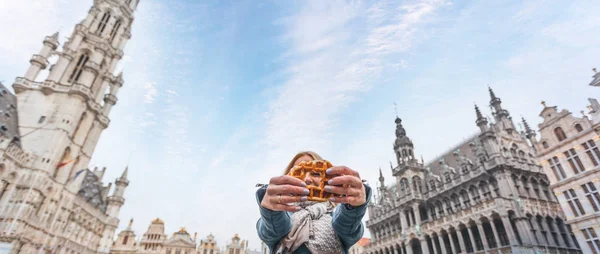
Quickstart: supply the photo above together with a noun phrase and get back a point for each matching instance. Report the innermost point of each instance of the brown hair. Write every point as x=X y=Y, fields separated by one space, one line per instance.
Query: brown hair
x=311 y=154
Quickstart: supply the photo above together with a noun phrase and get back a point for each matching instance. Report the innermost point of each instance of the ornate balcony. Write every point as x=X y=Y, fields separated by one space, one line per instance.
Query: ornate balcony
x=39 y=60
x=82 y=90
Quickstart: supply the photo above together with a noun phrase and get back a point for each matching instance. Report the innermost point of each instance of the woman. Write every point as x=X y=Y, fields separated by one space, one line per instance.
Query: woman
x=291 y=224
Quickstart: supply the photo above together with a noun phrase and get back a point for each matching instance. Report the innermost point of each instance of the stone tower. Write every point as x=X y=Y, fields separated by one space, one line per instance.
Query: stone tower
x=50 y=202
x=62 y=117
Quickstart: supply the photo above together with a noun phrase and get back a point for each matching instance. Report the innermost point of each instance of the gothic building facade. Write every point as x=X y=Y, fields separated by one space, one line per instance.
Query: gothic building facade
x=49 y=201
x=486 y=195
x=568 y=149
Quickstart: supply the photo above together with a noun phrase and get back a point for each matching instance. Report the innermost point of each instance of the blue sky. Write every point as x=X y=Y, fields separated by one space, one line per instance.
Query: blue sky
x=219 y=95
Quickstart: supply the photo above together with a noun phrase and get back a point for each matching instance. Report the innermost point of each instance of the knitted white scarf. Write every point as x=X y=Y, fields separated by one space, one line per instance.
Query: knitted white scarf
x=312 y=226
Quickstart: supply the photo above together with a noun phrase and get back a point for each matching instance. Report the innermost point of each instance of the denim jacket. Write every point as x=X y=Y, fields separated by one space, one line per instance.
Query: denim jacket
x=272 y=226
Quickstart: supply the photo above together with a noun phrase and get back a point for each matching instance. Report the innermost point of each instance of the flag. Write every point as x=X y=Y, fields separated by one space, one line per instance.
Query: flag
x=78 y=172
x=66 y=160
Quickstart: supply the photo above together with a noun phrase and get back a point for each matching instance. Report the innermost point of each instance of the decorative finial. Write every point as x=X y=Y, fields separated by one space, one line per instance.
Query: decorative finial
x=583 y=114
x=130 y=222
x=544 y=103
x=594 y=70
x=396 y=109
x=492 y=94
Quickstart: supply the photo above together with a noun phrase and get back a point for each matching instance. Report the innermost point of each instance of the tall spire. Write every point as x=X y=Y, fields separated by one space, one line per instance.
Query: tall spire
x=492 y=95
x=496 y=104
x=381 y=178
x=403 y=146
x=481 y=121
x=124 y=175
x=130 y=223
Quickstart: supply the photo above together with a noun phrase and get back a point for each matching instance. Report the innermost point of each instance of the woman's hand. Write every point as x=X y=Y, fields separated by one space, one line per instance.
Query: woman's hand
x=347 y=183
x=283 y=190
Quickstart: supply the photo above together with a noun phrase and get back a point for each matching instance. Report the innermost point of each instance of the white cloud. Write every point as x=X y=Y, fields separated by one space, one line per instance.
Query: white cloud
x=151 y=92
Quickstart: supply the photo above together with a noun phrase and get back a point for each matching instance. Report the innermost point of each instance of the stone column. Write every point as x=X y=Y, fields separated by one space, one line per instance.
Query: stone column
x=472 y=238
x=409 y=249
x=524 y=230
x=442 y=244
x=482 y=235
x=424 y=247
x=394 y=250
x=417 y=214
x=509 y=231
x=495 y=232
x=59 y=69
x=403 y=222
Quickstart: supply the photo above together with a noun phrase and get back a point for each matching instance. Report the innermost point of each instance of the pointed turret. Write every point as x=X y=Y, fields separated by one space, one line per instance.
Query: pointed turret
x=481 y=121
x=496 y=104
x=595 y=79
x=403 y=146
x=381 y=178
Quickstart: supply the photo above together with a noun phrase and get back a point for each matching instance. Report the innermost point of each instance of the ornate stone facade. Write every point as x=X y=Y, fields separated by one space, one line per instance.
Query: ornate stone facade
x=237 y=246
x=49 y=201
x=155 y=241
x=568 y=150
x=486 y=195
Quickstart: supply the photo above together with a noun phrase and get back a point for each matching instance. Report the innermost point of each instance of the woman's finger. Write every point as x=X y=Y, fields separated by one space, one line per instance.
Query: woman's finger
x=286 y=190
x=347 y=180
x=345 y=200
x=342 y=190
x=342 y=170
x=285 y=179
x=280 y=199
x=284 y=207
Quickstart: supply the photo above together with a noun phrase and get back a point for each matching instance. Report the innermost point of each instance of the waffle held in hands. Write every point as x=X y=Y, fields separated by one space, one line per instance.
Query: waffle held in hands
x=318 y=169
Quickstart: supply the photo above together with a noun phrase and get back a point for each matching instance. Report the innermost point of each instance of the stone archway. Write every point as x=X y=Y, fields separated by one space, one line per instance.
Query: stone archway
x=415 y=245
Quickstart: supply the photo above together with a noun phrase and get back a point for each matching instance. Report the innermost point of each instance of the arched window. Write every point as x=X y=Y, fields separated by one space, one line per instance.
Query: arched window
x=456 y=202
x=448 y=206
x=485 y=189
x=432 y=185
x=125 y=239
x=578 y=128
x=447 y=177
x=81 y=119
x=545 y=144
x=560 y=134
x=115 y=30
x=475 y=194
x=78 y=68
x=417 y=184
x=465 y=196
x=440 y=207
x=103 y=22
